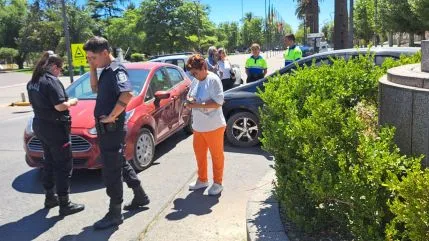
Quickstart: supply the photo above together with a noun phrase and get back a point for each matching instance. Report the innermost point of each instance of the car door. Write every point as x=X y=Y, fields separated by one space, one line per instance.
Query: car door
x=164 y=109
x=178 y=94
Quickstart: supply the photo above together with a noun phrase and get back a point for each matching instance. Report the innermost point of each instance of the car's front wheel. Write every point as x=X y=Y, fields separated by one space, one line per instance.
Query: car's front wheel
x=243 y=129
x=144 y=150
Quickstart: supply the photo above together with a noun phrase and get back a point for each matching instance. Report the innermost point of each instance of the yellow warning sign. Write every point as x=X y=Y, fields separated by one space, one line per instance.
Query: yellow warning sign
x=78 y=55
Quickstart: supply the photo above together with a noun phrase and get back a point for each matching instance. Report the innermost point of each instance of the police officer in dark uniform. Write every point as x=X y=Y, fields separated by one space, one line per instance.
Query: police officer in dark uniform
x=51 y=124
x=113 y=94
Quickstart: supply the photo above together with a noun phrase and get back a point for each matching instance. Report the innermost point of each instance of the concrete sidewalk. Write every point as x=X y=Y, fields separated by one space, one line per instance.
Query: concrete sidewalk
x=196 y=216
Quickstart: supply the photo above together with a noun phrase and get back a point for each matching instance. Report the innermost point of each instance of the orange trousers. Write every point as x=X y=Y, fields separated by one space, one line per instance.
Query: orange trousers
x=213 y=141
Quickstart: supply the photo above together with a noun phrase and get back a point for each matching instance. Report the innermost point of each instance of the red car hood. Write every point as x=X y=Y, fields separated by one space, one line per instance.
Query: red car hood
x=83 y=114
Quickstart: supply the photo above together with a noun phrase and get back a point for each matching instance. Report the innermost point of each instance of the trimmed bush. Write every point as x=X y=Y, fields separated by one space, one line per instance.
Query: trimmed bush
x=333 y=163
x=137 y=57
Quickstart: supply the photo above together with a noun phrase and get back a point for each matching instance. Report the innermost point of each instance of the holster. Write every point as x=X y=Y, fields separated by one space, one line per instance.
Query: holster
x=102 y=128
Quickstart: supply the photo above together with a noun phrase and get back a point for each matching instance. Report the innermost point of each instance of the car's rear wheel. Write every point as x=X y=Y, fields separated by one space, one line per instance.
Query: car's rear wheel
x=144 y=150
x=243 y=129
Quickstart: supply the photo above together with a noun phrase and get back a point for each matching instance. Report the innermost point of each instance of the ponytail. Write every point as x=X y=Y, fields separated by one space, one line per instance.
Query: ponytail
x=48 y=58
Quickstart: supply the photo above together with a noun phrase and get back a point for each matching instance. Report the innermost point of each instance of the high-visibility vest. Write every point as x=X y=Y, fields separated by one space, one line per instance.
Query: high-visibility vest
x=292 y=53
x=256 y=65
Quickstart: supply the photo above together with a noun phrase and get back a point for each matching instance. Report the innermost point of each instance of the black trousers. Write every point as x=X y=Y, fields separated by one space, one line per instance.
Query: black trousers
x=58 y=162
x=115 y=168
x=227 y=84
x=253 y=78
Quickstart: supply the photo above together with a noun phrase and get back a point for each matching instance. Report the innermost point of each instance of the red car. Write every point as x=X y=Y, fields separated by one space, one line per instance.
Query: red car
x=155 y=112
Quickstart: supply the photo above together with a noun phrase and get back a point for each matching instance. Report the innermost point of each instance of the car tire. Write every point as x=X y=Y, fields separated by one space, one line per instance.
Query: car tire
x=144 y=150
x=243 y=129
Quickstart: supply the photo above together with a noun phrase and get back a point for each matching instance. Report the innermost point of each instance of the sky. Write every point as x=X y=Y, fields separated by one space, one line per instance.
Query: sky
x=231 y=10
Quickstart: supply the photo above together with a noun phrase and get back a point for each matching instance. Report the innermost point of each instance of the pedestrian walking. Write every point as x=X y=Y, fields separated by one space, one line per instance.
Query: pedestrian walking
x=256 y=66
x=113 y=94
x=205 y=98
x=293 y=52
x=225 y=70
x=212 y=60
x=51 y=125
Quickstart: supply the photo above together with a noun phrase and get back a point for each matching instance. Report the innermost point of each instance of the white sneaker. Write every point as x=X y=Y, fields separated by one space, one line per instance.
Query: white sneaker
x=215 y=189
x=198 y=184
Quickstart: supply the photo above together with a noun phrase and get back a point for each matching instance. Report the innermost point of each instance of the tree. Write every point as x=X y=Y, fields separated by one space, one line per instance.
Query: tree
x=122 y=32
x=12 y=15
x=364 y=20
x=308 y=10
x=328 y=31
x=105 y=9
x=228 y=35
x=252 y=30
x=340 y=24
x=8 y=54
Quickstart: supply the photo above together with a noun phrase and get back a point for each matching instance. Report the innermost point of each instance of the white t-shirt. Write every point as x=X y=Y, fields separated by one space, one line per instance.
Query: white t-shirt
x=225 y=69
x=207 y=119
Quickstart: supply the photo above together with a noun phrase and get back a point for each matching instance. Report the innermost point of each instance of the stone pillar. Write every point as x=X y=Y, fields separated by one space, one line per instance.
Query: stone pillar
x=425 y=55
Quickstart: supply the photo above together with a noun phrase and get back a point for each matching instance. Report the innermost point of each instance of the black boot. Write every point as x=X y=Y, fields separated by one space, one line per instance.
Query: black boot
x=113 y=218
x=67 y=207
x=140 y=199
x=51 y=199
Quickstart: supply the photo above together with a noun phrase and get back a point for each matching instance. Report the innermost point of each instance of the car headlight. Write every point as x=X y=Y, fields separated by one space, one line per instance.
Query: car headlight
x=128 y=115
x=29 y=127
x=92 y=131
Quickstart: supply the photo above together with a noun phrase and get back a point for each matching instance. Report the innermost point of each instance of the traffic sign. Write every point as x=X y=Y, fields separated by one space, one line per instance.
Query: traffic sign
x=78 y=55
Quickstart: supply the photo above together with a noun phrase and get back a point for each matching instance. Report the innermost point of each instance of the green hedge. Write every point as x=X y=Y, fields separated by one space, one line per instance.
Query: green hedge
x=335 y=167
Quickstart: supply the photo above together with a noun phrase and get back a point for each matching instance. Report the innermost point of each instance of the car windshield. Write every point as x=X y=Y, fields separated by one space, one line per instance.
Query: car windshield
x=81 y=88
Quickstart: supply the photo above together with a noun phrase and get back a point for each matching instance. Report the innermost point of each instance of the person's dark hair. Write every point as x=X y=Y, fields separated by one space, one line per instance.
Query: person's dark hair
x=45 y=62
x=97 y=44
x=290 y=37
x=196 y=61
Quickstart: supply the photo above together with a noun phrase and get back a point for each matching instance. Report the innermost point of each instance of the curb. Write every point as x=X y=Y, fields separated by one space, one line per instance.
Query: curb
x=263 y=221
x=20 y=103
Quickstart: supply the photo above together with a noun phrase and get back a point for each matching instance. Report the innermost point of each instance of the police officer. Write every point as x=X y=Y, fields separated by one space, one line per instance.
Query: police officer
x=256 y=66
x=293 y=52
x=51 y=124
x=113 y=94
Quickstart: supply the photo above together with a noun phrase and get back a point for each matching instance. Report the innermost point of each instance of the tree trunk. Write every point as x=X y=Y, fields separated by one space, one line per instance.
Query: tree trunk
x=340 y=24
x=390 y=39
x=351 y=30
x=411 y=40
x=399 y=39
x=315 y=14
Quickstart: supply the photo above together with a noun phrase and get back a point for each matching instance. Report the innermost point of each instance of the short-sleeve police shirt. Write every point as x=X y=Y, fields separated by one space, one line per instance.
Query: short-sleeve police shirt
x=45 y=95
x=112 y=82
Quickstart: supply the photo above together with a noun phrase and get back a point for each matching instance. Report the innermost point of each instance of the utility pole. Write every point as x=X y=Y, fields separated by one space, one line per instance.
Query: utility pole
x=351 y=26
x=199 y=25
x=67 y=37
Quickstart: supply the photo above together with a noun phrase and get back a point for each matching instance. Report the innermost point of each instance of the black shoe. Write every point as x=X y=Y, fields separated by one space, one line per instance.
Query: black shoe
x=112 y=219
x=68 y=208
x=51 y=200
x=140 y=199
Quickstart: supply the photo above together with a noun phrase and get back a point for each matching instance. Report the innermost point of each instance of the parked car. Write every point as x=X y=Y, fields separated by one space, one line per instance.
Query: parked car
x=241 y=107
x=181 y=59
x=154 y=113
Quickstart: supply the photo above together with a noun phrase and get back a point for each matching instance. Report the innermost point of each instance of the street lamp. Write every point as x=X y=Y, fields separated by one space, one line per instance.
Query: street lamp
x=67 y=38
x=199 y=26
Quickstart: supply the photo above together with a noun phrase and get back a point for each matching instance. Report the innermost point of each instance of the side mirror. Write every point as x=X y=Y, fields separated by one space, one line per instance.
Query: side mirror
x=160 y=95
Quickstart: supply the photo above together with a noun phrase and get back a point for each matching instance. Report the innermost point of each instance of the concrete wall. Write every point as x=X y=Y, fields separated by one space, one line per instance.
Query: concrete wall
x=407 y=108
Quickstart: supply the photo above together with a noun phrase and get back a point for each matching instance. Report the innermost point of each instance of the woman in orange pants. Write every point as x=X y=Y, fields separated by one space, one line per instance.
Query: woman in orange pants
x=205 y=98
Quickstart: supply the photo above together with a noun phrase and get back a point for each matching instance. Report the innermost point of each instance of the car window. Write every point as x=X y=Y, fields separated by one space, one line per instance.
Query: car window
x=171 y=61
x=379 y=59
x=81 y=88
x=177 y=62
x=175 y=76
x=158 y=82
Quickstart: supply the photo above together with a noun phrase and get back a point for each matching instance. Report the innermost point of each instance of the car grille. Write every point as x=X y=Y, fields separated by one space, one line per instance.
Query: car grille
x=76 y=161
x=79 y=144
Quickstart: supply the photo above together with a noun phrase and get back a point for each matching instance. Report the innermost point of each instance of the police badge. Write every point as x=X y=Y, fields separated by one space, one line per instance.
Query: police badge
x=121 y=77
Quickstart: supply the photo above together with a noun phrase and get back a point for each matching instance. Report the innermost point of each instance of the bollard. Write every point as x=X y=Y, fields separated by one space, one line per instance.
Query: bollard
x=22 y=97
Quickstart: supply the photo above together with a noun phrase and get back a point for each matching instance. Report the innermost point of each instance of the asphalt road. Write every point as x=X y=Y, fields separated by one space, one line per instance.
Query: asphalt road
x=173 y=214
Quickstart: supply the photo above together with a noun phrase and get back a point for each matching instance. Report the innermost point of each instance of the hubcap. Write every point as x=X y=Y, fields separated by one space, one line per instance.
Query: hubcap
x=245 y=129
x=144 y=150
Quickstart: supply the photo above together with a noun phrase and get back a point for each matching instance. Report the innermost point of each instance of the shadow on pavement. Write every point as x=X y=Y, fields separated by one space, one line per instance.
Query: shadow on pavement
x=29 y=227
x=254 y=150
x=169 y=144
x=82 y=181
x=194 y=204
x=88 y=233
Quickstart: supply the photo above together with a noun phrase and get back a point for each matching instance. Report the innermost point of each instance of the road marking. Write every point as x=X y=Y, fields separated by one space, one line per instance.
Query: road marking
x=11 y=86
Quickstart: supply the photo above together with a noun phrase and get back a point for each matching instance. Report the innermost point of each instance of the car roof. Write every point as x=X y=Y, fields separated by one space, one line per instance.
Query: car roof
x=145 y=65
x=376 y=50
x=181 y=56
